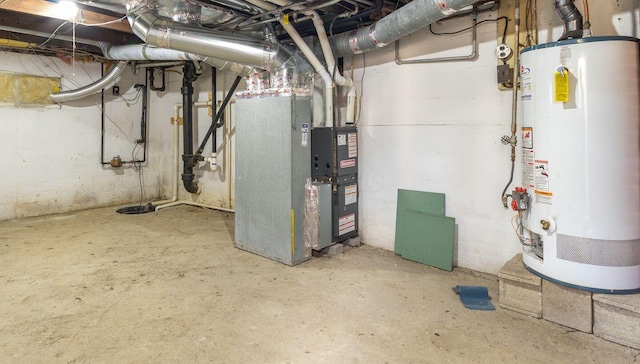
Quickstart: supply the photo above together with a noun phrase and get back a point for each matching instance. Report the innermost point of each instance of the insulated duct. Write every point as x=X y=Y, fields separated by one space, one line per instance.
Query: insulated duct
x=166 y=33
x=107 y=81
x=571 y=17
x=414 y=16
x=143 y=52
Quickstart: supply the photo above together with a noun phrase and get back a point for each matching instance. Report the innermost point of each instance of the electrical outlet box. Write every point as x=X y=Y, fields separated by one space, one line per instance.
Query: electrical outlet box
x=115 y=90
x=504 y=74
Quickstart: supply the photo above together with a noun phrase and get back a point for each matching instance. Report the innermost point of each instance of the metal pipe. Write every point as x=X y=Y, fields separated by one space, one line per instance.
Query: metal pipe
x=571 y=17
x=214 y=91
x=513 y=140
x=402 y=22
x=469 y=57
x=105 y=82
x=166 y=33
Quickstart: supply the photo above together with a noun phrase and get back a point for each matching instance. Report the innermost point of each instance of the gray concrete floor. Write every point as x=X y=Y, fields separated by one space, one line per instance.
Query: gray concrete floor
x=169 y=287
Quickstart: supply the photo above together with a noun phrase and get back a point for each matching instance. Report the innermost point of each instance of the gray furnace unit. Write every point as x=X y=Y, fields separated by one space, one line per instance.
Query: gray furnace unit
x=273 y=149
x=334 y=162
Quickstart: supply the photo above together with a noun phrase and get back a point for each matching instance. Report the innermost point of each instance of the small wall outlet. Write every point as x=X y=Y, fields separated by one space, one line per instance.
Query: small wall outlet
x=115 y=90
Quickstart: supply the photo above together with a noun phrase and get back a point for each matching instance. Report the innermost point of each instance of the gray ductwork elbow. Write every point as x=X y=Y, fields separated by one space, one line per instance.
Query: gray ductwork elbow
x=573 y=27
x=107 y=81
x=414 y=16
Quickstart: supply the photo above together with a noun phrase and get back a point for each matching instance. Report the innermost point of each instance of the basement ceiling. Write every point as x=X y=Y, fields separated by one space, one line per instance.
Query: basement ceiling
x=38 y=26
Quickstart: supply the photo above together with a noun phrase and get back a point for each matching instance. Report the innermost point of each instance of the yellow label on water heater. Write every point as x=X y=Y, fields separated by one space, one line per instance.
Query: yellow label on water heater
x=561 y=89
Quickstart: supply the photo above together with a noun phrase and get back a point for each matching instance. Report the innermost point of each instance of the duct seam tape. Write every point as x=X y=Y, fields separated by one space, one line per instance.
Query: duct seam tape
x=353 y=43
x=372 y=35
x=164 y=39
x=444 y=7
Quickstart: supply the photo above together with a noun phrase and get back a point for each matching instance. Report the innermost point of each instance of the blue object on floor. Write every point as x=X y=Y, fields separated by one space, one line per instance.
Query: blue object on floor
x=474 y=297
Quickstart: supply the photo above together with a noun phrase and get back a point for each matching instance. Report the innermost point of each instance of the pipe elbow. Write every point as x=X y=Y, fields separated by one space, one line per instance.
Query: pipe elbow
x=189 y=184
x=573 y=23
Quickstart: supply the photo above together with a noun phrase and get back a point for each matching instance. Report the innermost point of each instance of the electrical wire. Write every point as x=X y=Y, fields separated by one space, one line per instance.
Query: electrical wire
x=53 y=34
x=467 y=28
x=519 y=230
x=105 y=23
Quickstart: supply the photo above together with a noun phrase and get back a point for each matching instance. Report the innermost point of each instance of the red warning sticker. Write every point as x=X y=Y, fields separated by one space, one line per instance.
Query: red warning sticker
x=347 y=163
x=346 y=224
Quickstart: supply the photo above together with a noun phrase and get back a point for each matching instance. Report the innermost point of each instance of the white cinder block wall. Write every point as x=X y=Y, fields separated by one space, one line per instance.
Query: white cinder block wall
x=437 y=127
x=50 y=156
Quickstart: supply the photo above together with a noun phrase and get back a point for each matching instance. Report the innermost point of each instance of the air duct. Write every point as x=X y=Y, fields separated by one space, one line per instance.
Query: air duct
x=402 y=22
x=571 y=17
x=107 y=81
x=143 y=52
x=166 y=33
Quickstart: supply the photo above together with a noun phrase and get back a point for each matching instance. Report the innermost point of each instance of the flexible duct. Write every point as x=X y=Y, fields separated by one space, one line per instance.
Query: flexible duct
x=166 y=33
x=143 y=52
x=571 y=17
x=402 y=22
x=107 y=81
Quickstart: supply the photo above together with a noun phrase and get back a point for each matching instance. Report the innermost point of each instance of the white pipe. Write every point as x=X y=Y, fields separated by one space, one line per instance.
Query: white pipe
x=351 y=105
x=159 y=205
x=315 y=62
x=326 y=49
x=194 y=204
x=176 y=156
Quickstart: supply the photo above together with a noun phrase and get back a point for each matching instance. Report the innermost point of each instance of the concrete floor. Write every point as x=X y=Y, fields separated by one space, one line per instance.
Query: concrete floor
x=169 y=287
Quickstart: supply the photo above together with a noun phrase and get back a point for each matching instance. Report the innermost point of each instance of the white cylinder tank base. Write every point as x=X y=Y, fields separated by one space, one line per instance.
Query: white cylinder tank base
x=581 y=162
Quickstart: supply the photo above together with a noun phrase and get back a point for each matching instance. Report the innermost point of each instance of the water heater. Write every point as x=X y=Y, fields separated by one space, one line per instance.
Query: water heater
x=579 y=205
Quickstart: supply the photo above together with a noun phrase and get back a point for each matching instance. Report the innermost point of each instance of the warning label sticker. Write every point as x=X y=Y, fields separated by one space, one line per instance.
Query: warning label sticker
x=342 y=139
x=353 y=145
x=350 y=194
x=347 y=163
x=527 y=137
x=541 y=175
x=528 y=159
x=346 y=224
x=305 y=135
x=544 y=197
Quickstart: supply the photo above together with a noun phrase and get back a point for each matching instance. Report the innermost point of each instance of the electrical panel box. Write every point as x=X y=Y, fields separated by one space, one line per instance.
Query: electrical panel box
x=345 y=207
x=334 y=152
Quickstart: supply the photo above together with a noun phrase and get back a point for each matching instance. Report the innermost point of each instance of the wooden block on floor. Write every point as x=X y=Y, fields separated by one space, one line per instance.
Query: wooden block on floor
x=520 y=290
x=567 y=306
x=617 y=318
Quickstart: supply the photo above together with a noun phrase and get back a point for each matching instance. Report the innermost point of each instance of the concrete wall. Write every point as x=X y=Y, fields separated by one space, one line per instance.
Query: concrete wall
x=50 y=156
x=215 y=184
x=437 y=127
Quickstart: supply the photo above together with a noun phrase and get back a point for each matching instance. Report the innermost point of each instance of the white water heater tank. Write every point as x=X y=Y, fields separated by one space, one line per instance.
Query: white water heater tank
x=581 y=162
